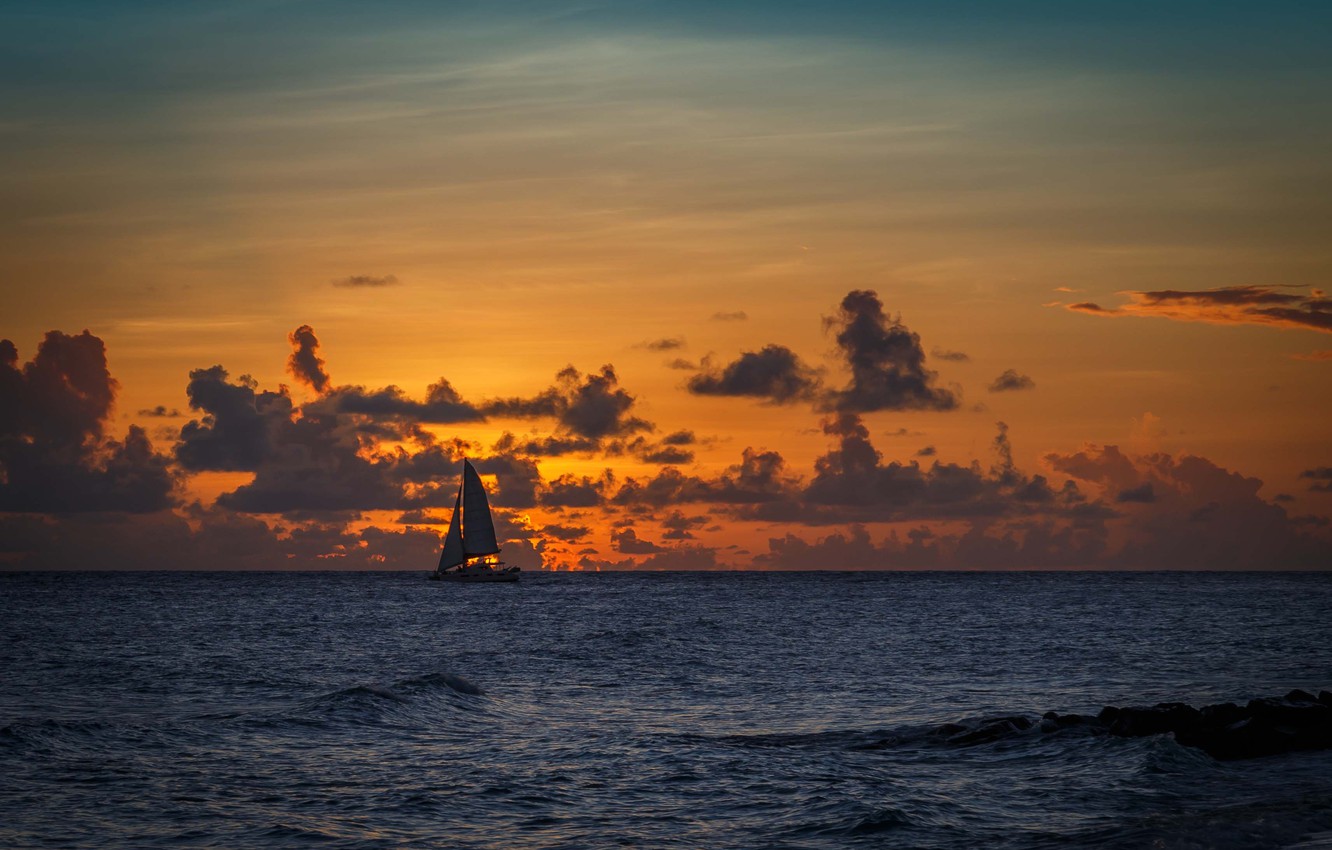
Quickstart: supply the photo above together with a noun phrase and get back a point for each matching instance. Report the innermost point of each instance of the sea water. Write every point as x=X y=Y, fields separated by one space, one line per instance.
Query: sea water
x=722 y=710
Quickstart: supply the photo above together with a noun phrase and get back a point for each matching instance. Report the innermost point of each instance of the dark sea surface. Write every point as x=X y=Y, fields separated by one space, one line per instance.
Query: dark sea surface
x=733 y=710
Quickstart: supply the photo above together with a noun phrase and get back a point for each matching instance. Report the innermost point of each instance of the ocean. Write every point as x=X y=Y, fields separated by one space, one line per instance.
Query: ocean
x=672 y=710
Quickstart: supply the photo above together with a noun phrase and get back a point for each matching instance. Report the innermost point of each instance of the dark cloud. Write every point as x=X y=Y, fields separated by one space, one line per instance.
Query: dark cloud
x=567 y=533
x=927 y=451
x=442 y=405
x=627 y=542
x=665 y=344
x=571 y=491
x=678 y=526
x=1228 y=305
x=1201 y=516
x=774 y=374
x=1011 y=380
x=734 y=316
x=852 y=483
x=759 y=477
x=952 y=356
x=366 y=281
x=683 y=437
x=160 y=412
x=886 y=361
x=1321 y=477
x=210 y=539
x=682 y=364
x=1142 y=493
x=236 y=432
x=54 y=457
x=305 y=364
x=592 y=406
x=665 y=455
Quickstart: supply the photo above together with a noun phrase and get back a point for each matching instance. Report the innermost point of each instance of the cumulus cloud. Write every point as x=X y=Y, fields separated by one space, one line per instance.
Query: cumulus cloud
x=759 y=477
x=886 y=361
x=54 y=455
x=592 y=406
x=774 y=374
x=1199 y=516
x=1011 y=380
x=305 y=364
x=627 y=542
x=236 y=430
x=1227 y=305
x=442 y=404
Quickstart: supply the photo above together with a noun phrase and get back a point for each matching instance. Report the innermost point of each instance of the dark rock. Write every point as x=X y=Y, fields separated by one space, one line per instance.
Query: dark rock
x=1222 y=714
x=1281 y=712
x=1298 y=695
x=1162 y=717
x=1109 y=715
x=992 y=729
x=1325 y=697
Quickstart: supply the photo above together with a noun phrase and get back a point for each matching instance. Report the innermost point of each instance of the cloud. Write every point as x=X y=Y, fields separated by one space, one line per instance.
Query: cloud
x=161 y=412
x=572 y=491
x=1200 y=516
x=54 y=456
x=236 y=431
x=774 y=374
x=567 y=533
x=886 y=361
x=592 y=406
x=360 y=281
x=678 y=526
x=735 y=316
x=627 y=542
x=1229 y=305
x=1322 y=478
x=209 y=539
x=759 y=477
x=442 y=404
x=1142 y=493
x=852 y=483
x=1011 y=380
x=682 y=364
x=953 y=356
x=1314 y=356
x=665 y=344
x=305 y=363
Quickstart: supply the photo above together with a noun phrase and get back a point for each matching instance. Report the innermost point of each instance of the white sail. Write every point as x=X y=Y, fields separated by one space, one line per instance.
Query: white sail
x=453 y=553
x=478 y=529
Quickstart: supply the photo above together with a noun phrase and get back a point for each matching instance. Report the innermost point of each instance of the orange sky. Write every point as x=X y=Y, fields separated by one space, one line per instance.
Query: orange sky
x=491 y=197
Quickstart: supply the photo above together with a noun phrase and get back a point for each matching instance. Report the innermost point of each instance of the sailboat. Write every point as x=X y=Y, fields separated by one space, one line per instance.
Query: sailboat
x=470 y=551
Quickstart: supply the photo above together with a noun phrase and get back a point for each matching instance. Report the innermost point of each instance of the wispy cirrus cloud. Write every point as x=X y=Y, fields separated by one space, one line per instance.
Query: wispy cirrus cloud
x=1228 y=305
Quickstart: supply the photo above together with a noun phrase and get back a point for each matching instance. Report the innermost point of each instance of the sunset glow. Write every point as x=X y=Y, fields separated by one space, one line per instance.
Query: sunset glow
x=693 y=288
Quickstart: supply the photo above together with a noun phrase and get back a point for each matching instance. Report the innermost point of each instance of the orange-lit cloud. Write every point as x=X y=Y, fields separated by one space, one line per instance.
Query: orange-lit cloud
x=1231 y=305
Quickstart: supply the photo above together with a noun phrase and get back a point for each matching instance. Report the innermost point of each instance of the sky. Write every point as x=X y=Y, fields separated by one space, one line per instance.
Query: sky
x=779 y=285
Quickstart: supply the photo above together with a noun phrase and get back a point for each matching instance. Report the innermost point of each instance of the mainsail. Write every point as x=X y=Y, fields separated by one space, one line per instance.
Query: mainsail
x=471 y=531
x=478 y=529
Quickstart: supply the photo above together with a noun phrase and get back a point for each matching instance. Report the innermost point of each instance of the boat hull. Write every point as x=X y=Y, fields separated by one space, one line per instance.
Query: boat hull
x=478 y=576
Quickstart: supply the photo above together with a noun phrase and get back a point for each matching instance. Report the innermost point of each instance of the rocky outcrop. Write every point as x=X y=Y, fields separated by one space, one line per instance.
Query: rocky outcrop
x=1262 y=727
